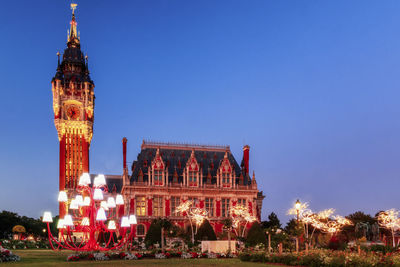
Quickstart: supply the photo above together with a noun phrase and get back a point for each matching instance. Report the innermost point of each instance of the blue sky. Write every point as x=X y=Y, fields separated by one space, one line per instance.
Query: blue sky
x=311 y=86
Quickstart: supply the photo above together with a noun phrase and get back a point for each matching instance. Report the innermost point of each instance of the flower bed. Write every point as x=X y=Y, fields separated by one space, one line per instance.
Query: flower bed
x=24 y=244
x=6 y=255
x=326 y=258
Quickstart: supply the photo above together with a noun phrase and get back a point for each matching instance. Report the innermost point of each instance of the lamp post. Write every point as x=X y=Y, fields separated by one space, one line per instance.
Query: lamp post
x=87 y=215
x=297 y=206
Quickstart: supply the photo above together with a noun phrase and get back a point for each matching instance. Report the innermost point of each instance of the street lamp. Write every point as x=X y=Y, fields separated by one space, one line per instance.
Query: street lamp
x=297 y=206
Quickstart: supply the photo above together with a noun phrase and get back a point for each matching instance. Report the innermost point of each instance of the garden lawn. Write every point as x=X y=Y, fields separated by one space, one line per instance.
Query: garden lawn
x=59 y=259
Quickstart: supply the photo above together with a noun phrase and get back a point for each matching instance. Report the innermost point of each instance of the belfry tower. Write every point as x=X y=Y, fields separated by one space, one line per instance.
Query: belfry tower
x=73 y=104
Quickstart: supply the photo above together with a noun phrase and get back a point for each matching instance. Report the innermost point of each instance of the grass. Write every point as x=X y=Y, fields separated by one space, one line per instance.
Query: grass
x=58 y=258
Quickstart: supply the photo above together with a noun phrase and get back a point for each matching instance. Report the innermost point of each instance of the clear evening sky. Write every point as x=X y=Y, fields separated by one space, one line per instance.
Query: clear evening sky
x=312 y=86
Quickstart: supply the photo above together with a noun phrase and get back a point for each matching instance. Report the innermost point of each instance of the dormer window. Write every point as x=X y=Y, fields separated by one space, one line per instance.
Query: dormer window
x=157 y=177
x=225 y=178
x=140 y=176
x=192 y=178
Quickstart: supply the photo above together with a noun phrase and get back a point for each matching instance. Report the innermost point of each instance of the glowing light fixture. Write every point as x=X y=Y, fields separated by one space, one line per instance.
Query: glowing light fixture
x=47 y=217
x=125 y=221
x=62 y=196
x=98 y=194
x=119 y=200
x=86 y=201
x=111 y=225
x=132 y=219
x=85 y=222
x=111 y=202
x=101 y=215
x=79 y=200
x=68 y=220
x=73 y=205
x=84 y=180
x=60 y=224
x=99 y=180
x=104 y=205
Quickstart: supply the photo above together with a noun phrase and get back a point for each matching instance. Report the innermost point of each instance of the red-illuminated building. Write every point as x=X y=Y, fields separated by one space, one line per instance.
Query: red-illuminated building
x=73 y=105
x=163 y=175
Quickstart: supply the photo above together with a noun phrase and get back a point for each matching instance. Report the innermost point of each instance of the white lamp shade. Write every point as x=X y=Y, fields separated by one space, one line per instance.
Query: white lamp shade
x=125 y=221
x=84 y=180
x=68 y=220
x=101 y=215
x=73 y=205
x=47 y=217
x=99 y=180
x=111 y=225
x=132 y=219
x=62 y=196
x=98 y=194
x=104 y=205
x=111 y=202
x=85 y=221
x=60 y=224
x=86 y=201
x=119 y=200
x=79 y=200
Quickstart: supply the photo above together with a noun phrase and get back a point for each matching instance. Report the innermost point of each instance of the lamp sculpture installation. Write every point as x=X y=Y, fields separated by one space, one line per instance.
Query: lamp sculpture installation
x=89 y=216
x=239 y=215
x=324 y=220
x=196 y=214
x=390 y=220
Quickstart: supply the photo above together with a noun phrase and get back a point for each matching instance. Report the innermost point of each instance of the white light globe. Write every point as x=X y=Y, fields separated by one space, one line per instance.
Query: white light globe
x=86 y=201
x=119 y=200
x=125 y=221
x=132 y=219
x=73 y=205
x=68 y=220
x=60 y=224
x=99 y=180
x=111 y=225
x=111 y=202
x=79 y=200
x=62 y=196
x=101 y=215
x=98 y=194
x=85 y=221
x=47 y=217
x=104 y=205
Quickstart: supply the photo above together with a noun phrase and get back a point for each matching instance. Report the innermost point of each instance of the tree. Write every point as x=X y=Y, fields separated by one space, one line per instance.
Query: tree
x=273 y=222
x=153 y=235
x=256 y=235
x=206 y=232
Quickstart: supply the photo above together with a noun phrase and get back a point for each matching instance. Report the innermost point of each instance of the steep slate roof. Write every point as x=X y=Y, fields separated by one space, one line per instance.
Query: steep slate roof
x=175 y=157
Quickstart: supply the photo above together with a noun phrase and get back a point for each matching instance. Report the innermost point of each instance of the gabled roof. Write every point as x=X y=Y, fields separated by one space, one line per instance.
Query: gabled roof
x=175 y=156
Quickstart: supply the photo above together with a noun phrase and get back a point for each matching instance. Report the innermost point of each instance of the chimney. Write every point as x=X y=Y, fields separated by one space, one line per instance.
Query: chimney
x=124 y=140
x=246 y=151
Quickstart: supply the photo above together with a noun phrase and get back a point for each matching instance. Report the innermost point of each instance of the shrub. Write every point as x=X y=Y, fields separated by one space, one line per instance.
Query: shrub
x=256 y=235
x=206 y=232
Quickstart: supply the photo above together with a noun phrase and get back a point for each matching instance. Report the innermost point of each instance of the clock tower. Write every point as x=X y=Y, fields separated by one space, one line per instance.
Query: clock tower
x=73 y=105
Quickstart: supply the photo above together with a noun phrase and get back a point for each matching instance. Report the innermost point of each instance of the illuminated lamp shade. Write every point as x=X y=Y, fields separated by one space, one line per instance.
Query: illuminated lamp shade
x=98 y=194
x=99 y=180
x=101 y=215
x=132 y=219
x=79 y=200
x=111 y=202
x=73 y=205
x=85 y=222
x=68 y=220
x=86 y=201
x=84 y=180
x=47 y=217
x=111 y=225
x=125 y=221
x=119 y=200
x=60 y=224
x=104 y=205
x=62 y=196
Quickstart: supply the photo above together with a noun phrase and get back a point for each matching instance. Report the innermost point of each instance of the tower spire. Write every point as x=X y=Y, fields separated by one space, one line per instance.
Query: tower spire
x=73 y=38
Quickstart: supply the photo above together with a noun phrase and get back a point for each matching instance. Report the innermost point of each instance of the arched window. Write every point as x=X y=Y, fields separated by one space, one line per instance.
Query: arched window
x=140 y=230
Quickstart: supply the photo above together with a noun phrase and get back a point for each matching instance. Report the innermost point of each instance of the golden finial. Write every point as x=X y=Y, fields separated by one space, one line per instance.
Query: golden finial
x=73 y=7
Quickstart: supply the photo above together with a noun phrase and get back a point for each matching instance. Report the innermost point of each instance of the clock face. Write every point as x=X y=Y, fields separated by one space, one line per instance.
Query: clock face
x=73 y=113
